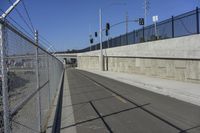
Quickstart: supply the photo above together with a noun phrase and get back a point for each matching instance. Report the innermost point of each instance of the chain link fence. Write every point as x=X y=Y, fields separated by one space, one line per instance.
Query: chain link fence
x=32 y=76
x=181 y=25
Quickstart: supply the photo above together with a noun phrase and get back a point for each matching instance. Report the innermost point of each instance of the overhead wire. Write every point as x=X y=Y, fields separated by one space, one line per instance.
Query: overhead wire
x=23 y=3
x=47 y=45
x=44 y=41
x=25 y=31
x=23 y=19
x=48 y=42
x=17 y=24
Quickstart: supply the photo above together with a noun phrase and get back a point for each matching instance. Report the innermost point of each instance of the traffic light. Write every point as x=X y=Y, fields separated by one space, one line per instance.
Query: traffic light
x=91 y=41
x=107 y=26
x=106 y=32
x=95 y=34
x=141 y=21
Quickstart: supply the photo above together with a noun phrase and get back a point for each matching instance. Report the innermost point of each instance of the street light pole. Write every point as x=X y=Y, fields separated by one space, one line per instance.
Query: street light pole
x=100 y=39
x=146 y=9
x=126 y=22
x=101 y=58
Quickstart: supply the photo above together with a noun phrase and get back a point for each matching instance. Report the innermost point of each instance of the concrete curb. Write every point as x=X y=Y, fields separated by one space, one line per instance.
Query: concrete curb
x=53 y=109
x=67 y=109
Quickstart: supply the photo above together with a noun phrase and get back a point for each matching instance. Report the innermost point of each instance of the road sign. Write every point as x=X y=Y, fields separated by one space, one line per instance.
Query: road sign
x=155 y=19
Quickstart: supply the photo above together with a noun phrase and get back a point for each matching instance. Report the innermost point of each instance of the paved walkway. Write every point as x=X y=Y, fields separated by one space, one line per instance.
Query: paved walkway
x=67 y=117
x=188 y=92
x=103 y=105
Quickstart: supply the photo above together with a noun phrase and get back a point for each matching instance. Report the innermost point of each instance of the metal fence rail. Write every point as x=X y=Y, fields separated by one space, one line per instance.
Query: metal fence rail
x=29 y=81
x=181 y=25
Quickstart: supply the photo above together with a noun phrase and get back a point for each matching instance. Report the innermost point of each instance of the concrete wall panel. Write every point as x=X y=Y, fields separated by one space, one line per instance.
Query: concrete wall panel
x=176 y=59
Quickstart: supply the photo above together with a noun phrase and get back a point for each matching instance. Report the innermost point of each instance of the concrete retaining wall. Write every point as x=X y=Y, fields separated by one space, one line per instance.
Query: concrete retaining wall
x=89 y=62
x=176 y=59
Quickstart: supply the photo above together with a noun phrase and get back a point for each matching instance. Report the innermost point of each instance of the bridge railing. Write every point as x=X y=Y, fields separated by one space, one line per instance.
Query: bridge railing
x=30 y=78
x=176 y=26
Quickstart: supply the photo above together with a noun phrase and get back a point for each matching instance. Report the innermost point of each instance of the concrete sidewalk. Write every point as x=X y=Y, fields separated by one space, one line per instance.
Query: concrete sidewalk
x=188 y=92
x=67 y=117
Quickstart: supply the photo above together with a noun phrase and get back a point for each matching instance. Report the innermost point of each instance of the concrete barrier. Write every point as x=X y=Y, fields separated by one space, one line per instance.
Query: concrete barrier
x=176 y=59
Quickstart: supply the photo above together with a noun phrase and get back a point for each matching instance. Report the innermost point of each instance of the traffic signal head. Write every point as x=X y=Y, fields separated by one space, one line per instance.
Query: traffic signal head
x=107 y=26
x=91 y=40
x=95 y=34
x=141 y=21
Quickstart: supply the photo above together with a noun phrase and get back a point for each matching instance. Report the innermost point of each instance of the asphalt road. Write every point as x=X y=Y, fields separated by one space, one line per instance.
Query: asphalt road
x=103 y=105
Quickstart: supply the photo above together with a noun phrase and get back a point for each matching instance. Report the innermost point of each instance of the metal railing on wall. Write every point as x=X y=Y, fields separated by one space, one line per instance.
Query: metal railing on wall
x=30 y=78
x=176 y=26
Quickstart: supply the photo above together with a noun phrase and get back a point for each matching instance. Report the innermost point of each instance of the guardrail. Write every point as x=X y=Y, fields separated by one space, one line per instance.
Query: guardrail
x=176 y=26
x=29 y=81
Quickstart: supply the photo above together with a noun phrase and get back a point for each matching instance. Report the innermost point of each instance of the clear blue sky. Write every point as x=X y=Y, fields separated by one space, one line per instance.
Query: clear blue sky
x=66 y=22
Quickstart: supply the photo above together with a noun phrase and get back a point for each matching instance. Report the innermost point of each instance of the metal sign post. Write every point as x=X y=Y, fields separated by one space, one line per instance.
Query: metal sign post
x=155 y=20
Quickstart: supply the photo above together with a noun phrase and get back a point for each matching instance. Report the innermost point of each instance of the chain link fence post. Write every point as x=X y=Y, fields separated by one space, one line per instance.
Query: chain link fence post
x=49 y=89
x=197 y=19
x=4 y=79
x=143 y=33
x=172 y=26
x=38 y=82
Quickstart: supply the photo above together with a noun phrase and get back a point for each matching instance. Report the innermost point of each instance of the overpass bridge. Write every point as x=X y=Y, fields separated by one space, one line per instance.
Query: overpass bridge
x=66 y=58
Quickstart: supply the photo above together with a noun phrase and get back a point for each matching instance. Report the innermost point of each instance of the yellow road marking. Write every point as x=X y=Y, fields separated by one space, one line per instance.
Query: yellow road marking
x=119 y=98
x=97 y=84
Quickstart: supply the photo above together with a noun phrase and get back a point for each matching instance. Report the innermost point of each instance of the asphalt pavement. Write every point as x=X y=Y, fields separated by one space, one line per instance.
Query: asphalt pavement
x=103 y=105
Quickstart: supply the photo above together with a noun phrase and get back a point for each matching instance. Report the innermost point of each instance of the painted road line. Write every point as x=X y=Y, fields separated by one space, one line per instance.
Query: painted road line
x=119 y=98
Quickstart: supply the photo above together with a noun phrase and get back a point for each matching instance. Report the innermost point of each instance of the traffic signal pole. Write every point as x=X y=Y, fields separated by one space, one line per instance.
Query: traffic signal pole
x=100 y=39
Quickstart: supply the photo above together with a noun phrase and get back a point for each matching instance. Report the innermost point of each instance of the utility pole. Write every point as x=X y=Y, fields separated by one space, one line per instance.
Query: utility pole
x=126 y=22
x=126 y=28
x=101 y=59
x=146 y=9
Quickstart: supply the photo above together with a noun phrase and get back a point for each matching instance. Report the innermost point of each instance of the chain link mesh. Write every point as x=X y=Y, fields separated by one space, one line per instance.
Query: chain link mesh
x=1 y=107
x=28 y=105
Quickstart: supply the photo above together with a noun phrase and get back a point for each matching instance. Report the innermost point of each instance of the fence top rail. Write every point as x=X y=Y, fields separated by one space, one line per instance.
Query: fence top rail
x=186 y=14
x=14 y=29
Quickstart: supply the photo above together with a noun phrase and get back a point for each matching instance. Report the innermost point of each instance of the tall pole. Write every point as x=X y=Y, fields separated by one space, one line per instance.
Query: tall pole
x=126 y=28
x=146 y=8
x=38 y=82
x=155 y=28
x=100 y=39
x=90 y=32
x=126 y=22
x=4 y=71
x=145 y=11
x=108 y=41
x=6 y=114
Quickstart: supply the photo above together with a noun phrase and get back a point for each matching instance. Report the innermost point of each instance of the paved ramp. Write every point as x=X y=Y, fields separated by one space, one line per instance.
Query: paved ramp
x=103 y=105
